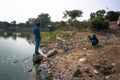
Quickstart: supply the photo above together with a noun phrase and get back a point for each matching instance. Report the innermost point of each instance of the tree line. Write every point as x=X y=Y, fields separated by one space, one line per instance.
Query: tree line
x=98 y=20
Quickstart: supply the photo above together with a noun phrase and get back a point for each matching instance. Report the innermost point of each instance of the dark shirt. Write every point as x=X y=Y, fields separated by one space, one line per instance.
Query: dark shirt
x=94 y=40
x=37 y=32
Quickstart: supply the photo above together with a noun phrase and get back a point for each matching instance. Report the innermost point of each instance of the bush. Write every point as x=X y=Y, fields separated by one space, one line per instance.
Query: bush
x=98 y=23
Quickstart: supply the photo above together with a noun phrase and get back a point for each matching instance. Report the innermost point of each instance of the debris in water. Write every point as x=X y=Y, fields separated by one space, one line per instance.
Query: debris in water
x=30 y=70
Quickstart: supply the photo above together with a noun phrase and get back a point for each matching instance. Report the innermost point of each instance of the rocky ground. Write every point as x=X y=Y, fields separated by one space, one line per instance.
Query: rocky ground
x=73 y=58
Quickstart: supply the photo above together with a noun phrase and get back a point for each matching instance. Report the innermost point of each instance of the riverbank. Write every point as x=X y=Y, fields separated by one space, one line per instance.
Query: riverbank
x=76 y=59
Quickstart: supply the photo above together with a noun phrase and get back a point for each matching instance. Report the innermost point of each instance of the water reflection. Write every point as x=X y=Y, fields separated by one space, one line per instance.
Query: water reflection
x=36 y=65
x=14 y=35
x=16 y=50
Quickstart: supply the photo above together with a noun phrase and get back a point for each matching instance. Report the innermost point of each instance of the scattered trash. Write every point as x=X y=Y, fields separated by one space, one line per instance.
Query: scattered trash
x=85 y=49
x=95 y=71
x=97 y=66
x=82 y=59
x=68 y=49
x=77 y=73
x=59 y=38
x=113 y=64
x=43 y=72
x=108 y=76
x=88 y=72
x=105 y=69
x=62 y=77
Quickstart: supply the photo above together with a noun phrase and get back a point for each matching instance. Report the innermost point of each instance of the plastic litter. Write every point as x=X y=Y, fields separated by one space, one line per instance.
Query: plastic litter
x=82 y=59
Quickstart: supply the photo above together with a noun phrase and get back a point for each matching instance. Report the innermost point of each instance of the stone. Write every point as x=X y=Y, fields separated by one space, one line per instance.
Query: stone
x=52 y=52
x=37 y=57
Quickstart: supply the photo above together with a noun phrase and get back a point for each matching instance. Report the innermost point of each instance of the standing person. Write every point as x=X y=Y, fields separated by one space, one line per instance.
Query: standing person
x=37 y=37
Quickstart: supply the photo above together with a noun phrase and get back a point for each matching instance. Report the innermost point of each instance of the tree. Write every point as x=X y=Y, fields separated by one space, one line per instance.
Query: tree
x=44 y=19
x=97 y=13
x=98 y=21
x=4 y=24
x=92 y=15
x=30 y=22
x=13 y=23
x=73 y=14
x=112 y=16
x=21 y=24
x=100 y=12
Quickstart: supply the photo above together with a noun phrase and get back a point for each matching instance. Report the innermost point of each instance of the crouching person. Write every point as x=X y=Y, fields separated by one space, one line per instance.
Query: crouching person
x=94 y=40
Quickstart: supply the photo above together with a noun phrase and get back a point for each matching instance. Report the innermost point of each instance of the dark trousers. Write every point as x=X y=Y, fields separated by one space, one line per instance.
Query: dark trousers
x=37 y=45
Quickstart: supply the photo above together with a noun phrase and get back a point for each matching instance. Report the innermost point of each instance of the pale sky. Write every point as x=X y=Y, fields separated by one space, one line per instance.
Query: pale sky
x=22 y=10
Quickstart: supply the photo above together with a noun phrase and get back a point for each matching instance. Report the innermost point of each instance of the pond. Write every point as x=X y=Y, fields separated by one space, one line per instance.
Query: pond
x=16 y=53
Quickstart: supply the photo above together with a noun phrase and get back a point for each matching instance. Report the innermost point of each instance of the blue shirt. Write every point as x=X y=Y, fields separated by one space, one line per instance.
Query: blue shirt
x=37 y=32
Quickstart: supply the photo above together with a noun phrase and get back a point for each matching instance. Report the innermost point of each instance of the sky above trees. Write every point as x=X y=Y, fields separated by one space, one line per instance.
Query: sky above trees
x=21 y=10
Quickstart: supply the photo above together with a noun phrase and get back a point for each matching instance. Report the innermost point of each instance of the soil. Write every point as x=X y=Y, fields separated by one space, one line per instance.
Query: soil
x=77 y=59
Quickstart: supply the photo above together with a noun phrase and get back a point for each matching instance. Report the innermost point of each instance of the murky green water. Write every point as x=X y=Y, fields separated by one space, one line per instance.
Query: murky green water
x=16 y=58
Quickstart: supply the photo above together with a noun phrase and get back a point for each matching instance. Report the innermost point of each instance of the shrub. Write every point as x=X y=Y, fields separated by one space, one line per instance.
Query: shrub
x=98 y=23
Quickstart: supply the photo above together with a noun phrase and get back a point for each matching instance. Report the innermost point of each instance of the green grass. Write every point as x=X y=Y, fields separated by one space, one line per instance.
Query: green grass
x=49 y=36
x=55 y=36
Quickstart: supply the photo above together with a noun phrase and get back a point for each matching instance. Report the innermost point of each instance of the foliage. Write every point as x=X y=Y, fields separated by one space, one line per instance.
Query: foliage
x=30 y=22
x=44 y=19
x=100 y=12
x=57 y=25
x=13 y=23
x=21 y=24
x=4 y=24
x=73 y=14
x=49 y=36
x=112 y=15
x=97 y=21
x=83 y=25
x=97 y=13
x=92 y=15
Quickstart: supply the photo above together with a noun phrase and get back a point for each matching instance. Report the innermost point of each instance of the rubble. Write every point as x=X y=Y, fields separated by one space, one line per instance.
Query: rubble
x=94 y=64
